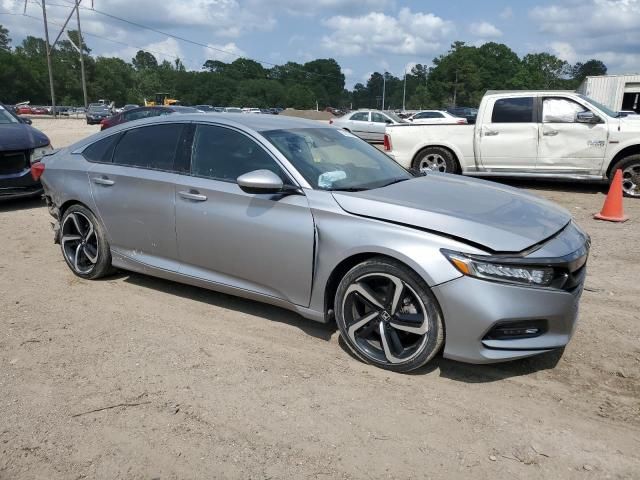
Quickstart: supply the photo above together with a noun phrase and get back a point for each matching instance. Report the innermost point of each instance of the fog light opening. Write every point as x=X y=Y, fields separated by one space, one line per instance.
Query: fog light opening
x=516 y=330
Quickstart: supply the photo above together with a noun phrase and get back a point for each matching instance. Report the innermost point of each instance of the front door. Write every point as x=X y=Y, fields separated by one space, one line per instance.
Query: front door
x=258 y=242
x=135 y=195
x=507 y=137
x=566 y=145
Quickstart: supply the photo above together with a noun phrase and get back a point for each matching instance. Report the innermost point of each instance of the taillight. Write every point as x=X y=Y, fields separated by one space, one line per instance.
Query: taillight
x=37 y=169
x=387 y=142
x=461 y=122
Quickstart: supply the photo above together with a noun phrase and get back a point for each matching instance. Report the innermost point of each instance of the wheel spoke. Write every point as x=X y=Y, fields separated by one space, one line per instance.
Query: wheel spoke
x=364 y=292
x=410 y=322
x=385 y=345
x=70 y=238
x=398 y=288
x=77 y=257
x=74 y=219
x=91 y=255
x=361 y=322
x=90 y=232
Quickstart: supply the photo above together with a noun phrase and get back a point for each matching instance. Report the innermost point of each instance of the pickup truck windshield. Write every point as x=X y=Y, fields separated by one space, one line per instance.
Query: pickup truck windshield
x=607 y=111
x=333 y=159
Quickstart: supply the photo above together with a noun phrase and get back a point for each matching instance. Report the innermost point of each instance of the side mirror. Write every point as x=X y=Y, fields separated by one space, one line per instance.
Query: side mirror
x=260 y=181
x=27 y=121
x=587 y=117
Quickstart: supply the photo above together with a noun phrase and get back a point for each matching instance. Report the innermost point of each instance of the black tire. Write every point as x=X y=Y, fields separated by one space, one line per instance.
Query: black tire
x=84 y=245
x=630 y=167
x=436 y=159
x=362 y=323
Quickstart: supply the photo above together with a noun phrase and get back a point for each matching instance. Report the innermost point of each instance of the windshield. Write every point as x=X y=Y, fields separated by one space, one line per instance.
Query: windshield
x=333 y=159
x=607 y=111
x=98 y=108
x=6 y=117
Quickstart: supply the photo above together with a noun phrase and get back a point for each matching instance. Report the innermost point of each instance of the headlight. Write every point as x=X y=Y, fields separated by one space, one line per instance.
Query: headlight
x=493 y=269
x=39 y=153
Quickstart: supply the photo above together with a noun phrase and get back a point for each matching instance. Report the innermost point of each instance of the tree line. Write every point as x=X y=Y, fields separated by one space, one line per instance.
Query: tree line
x=457 y=77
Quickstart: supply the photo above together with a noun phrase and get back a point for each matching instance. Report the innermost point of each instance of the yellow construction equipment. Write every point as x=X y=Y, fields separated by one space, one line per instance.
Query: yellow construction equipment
x=161 y=99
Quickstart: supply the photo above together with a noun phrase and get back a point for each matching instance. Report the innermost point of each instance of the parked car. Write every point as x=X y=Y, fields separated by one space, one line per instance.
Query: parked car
x=367 y=124
x=467 y=113
x=39 y=111
x=206 y=108
x=144 y=112
x=399 y=259
x=21 y=146
x=232 y=110
x=436 y=117
x=535 y=134
x=23 y=110
x=97 y=112
x=130 y=106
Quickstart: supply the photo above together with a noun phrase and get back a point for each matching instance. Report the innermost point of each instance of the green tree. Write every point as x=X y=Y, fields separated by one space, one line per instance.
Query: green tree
x=144 y=61
x=592 y=67
x=542 y=71
x=5 y=40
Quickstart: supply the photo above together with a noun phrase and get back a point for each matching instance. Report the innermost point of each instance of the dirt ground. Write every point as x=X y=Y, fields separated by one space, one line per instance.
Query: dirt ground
x=139 y=378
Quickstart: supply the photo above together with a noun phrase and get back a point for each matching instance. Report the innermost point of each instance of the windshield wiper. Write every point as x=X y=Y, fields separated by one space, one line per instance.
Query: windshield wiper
x=347 y=189
x=397 y=180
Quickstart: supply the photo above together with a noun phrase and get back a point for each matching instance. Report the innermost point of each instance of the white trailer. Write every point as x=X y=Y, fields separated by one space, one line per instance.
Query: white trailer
x=618 y=92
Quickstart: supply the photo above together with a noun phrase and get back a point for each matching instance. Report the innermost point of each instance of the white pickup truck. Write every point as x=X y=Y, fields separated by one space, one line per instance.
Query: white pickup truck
x=542 y=134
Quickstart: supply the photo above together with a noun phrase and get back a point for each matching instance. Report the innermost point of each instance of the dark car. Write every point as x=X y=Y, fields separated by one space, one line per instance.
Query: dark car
x=464 y=112
x=144 y=112
x=97 y=112
x=21 y=145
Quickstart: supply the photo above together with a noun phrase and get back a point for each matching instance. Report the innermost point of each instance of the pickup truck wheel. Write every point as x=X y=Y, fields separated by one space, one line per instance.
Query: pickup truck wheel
x=435 y=159
x=630 y=167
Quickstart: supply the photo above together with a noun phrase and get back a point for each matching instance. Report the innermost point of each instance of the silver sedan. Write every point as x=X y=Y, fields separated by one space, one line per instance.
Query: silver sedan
x=367 y=124
x=313 y=219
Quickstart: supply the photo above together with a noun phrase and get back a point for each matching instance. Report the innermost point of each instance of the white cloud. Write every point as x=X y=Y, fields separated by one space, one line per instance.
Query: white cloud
x=507 y=13
x=310 y=8
x=484 y=30
x=607 y=30
x=407 y=34
x=224 y=53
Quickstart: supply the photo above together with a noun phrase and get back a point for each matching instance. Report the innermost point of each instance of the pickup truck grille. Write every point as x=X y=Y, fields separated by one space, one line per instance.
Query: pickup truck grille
x=13 y=162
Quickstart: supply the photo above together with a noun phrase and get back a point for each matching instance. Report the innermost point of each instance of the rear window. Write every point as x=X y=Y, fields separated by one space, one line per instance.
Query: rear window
x=513 y=110
x=151 y=147
x=102 y=150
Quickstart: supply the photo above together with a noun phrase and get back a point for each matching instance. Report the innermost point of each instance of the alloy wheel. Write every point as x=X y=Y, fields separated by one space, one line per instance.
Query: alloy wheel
x=386 y=319
x=631 y=180
x=79 y=242
x=433 y=162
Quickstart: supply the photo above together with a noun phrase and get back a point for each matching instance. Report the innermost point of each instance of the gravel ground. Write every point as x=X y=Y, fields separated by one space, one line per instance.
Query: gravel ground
x=134 y=377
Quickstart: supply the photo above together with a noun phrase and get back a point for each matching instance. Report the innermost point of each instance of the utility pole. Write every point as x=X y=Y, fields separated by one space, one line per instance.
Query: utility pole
x=404 y=89
x=84 y=81
x=46 y=36
x=384 y=87
x=455 y=90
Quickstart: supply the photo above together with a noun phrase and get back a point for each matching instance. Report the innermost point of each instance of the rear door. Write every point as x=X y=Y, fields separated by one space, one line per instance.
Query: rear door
x=134 y=191
x=508 y=135
x=257 y=242
x=378 y=124
x=566 y=145
x=359 y=125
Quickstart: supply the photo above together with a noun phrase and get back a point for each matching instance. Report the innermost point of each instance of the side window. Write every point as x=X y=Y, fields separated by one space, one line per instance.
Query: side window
x=378 y=117
x=560 y=110
x=102 y=150
x=360 y=116
x=513 y=110
x=436 y=115
x=224 y=154
x=151 y=147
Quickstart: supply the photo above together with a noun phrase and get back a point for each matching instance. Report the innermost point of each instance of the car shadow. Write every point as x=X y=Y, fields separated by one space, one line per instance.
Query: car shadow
x=230 y=302
x=16 y=204
x=470 y=373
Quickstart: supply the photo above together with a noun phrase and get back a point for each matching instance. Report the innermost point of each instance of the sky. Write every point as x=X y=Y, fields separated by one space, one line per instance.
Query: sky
x=362 y=35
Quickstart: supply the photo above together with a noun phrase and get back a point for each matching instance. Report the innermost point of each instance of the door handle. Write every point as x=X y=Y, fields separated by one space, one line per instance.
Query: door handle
x=103 y=181
x=491 y=133
x=550 y=133
x=193 y=195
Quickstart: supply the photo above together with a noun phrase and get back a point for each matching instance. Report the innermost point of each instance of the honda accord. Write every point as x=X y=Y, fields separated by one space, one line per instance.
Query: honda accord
x=313 y=219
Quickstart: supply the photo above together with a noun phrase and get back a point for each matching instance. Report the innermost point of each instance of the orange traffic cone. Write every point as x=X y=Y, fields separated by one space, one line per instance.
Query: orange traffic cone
x=612 y=210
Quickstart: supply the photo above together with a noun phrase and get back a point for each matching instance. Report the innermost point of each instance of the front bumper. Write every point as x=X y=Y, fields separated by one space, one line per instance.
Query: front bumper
x=18 y=185
x=472 y=308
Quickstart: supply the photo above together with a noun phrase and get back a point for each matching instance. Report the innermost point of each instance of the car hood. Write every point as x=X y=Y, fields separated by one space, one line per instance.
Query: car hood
x=499 y=218
x=20 y=136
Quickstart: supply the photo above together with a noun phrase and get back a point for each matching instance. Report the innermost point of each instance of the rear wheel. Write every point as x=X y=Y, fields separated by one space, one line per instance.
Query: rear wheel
x=630 y=167
x=435 y=159
x=84 y=245
x=388 y=316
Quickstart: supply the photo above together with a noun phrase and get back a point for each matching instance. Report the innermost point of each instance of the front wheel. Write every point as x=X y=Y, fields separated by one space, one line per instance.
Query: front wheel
x=388 y=316
x=84 y=244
